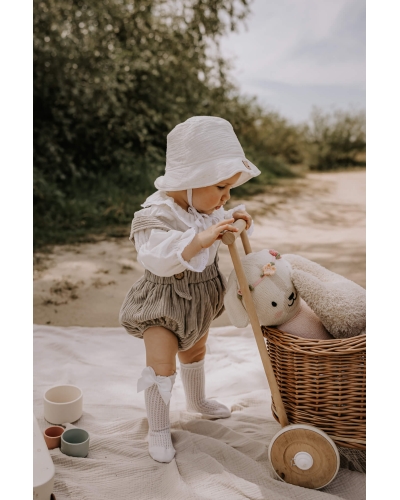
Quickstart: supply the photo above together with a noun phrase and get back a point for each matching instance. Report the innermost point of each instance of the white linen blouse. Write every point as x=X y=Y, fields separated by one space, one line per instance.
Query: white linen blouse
x=161 y=251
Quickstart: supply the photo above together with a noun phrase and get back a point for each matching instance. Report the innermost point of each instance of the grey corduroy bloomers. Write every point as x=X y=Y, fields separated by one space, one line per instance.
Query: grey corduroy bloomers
x=185 y=303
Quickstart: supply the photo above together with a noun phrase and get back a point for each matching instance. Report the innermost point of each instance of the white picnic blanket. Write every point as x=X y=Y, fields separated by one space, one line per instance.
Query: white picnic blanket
x=222 y=459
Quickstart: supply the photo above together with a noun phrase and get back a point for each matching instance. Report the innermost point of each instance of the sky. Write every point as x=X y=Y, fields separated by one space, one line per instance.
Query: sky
x=298 y=53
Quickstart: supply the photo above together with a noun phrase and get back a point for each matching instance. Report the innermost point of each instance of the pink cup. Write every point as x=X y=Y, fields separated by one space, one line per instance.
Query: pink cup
x=52 y=436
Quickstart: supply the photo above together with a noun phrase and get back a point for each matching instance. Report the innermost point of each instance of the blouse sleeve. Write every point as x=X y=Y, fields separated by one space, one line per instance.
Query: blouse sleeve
x=228 y=215
x=161 y=251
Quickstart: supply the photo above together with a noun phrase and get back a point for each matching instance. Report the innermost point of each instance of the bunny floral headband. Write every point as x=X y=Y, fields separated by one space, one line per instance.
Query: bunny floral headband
x=267 y=270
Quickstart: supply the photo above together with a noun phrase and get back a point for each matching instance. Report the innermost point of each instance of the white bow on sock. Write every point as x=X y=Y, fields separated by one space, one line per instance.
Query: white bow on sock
x=193 y=380
x=157 y=393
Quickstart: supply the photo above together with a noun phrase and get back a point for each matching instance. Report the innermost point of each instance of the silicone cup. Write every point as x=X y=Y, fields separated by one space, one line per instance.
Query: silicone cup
x=52 y=436
x=75 y=443
x=63 y=404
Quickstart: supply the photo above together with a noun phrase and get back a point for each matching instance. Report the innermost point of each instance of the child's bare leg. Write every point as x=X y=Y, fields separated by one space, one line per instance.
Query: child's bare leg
x=193 y=379
x=161 y=348
x=196 y=353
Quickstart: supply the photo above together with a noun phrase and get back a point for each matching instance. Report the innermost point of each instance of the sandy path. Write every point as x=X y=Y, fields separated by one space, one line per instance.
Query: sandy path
x=321 y=217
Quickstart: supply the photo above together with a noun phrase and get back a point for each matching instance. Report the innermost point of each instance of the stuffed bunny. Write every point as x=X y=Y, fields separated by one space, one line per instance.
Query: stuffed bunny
x=298 y=296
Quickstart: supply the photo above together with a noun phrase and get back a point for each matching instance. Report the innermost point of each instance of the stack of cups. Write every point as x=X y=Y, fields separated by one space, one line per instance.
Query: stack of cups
x=64 y=404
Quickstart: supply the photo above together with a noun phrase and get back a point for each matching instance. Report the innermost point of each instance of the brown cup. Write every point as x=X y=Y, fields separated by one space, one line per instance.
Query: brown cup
x=52 y=436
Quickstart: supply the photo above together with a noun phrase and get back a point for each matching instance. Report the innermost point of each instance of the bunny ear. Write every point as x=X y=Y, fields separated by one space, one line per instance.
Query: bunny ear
x=233 y=304
x=340 y=304
x=312 y=268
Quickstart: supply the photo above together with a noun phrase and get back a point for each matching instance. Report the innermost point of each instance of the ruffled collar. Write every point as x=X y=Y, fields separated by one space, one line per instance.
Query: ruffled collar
x=192 y=218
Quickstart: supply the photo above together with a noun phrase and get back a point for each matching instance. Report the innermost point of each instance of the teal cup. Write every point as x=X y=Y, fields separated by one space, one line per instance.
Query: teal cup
x=75 y=443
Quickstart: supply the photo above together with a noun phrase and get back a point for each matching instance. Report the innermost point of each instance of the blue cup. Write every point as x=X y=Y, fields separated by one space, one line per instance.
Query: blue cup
x=75 y=443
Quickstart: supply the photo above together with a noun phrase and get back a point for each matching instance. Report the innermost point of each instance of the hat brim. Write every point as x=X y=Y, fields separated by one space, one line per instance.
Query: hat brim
x=207 y=174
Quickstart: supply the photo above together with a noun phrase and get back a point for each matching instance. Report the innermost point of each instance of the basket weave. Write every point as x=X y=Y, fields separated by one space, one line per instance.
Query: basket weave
x=322 y=383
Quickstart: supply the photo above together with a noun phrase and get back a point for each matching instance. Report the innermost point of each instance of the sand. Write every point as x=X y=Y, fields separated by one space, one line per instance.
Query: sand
x=321 y=217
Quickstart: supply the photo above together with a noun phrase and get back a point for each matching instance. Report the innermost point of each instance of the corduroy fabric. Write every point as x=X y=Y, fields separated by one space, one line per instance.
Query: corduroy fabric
x=186 y=304
x=145 y=222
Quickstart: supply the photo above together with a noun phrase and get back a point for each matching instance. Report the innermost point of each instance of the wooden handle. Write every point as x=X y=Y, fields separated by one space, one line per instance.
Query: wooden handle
x=246 y=242
x=251 y=311
x=229 y=237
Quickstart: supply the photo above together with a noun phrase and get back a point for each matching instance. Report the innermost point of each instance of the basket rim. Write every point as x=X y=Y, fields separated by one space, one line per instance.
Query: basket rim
x=317 y=347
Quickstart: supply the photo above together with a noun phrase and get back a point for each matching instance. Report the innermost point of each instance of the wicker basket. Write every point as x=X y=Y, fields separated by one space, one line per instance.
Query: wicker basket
x=322 y=383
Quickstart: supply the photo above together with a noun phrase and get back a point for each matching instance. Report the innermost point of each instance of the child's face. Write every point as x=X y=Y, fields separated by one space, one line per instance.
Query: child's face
x=210 y=198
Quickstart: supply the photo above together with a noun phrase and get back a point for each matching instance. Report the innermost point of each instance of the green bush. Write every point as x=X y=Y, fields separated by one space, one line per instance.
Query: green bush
x=335 y=140
x=111 y=79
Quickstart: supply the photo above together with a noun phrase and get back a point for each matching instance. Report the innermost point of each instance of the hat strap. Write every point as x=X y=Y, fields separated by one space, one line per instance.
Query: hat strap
x=200 y=218
x=189 y=197
x=199 y=222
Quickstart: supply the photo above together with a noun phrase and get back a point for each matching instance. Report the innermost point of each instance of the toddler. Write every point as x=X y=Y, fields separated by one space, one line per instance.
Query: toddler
x=176 y=236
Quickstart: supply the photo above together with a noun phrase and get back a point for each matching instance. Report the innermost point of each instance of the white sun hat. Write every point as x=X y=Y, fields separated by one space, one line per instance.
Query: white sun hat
x=203 y=151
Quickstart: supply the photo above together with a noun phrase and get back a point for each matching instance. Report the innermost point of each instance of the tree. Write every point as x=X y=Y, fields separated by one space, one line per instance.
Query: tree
x=335 y=140
x=111 y=79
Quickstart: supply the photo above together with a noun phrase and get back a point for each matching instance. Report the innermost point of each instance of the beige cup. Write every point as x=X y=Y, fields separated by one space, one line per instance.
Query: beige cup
x=52 y=436
x=63 y=404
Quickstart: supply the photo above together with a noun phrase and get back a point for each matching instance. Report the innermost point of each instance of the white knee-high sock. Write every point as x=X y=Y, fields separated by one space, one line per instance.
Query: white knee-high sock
x=157 y=395
x=160 y=443
x=193 y=380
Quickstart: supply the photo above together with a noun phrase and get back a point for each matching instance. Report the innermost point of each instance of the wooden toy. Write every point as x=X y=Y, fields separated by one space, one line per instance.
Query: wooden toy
x=300 y=454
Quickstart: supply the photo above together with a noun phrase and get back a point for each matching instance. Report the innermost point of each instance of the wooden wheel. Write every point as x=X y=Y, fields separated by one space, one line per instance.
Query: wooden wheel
x=304 y=456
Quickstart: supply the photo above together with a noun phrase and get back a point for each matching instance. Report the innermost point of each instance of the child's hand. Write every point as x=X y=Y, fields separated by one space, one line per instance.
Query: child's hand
x=213 y=233
x=206 y=238
x=241 y=214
